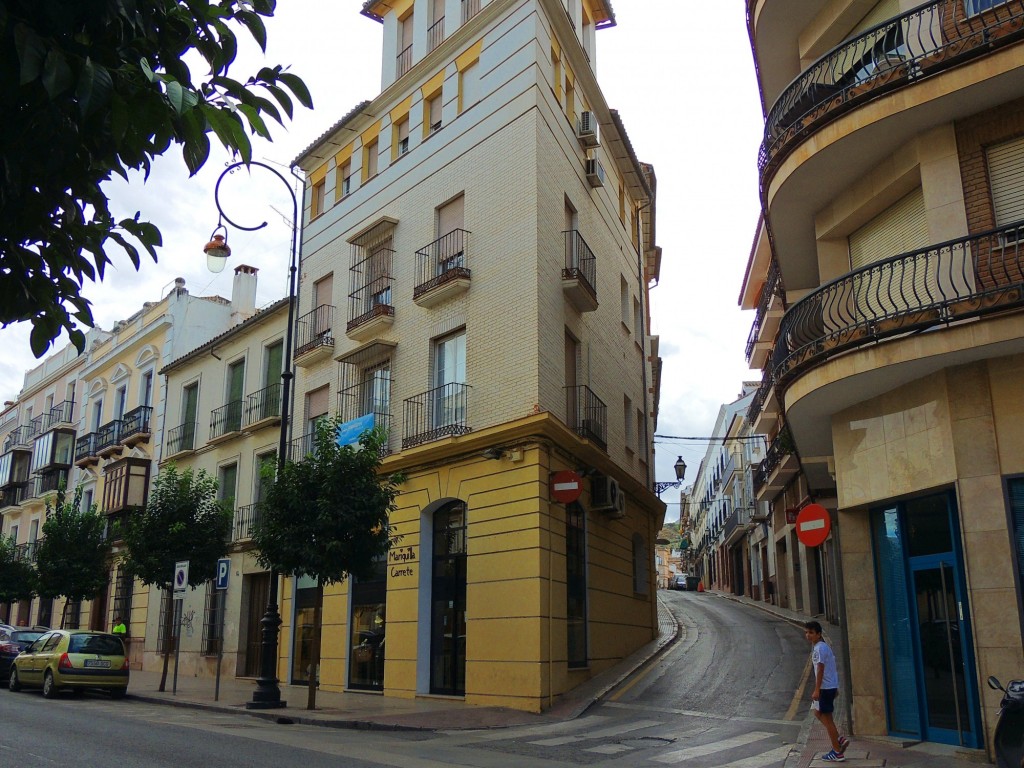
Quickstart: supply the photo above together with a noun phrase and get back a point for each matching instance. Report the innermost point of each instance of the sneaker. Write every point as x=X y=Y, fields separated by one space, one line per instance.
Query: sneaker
x=843 y=744
x=833 y=757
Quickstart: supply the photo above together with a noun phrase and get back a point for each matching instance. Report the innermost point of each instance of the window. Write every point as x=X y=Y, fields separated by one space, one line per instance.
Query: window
x=977 y=6
x=450 y=226
x=401 y=138
x=433 y=112
x=435 y=35
x=170 y=611
x=570 y=101
x=121 y=401
x=212 y=621
x=227 y=481
x=641 y=447
x=345 y=179
x=319 y=190
x=123 y=585
x=624 y=301
x=1006 y=178
x=641 y=565
x=189 y=412
x=370 y=160
x=97 y=414
x=622 y=205
x=638 y=322
x=576 y=584
x=469 y=86
x=146 y=390
x=316 y=407
x=556 y=73
x=1015 y=494
x=87 y=499
x=627 y=419
x=404 y=60
x=449 y=376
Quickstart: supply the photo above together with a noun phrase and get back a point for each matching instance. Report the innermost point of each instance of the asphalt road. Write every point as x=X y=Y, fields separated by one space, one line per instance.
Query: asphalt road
x=723 y=695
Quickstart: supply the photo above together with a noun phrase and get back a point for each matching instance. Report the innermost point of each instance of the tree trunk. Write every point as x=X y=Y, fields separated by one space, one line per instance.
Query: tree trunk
x=314 y=665
x=169 y=644
x=64 y=613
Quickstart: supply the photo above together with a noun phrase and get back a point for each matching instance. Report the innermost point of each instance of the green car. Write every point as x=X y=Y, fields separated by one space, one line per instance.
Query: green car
x=75 y=659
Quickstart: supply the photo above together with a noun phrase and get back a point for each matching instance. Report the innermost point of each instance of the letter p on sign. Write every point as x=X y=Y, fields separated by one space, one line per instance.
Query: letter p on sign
x=223 y=570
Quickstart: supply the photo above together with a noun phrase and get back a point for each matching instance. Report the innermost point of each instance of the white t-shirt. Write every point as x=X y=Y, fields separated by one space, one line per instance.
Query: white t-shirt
x=822 y=654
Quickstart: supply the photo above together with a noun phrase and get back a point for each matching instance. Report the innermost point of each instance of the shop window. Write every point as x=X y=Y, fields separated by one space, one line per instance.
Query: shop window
x=640 y=565
x=576 y=584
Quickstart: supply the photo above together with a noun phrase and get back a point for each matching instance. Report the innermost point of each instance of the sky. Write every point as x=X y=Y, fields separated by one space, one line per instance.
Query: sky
x=681 y=75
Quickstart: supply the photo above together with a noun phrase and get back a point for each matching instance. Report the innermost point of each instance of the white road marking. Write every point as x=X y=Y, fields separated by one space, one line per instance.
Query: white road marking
x=679 y=755
x=615 y=730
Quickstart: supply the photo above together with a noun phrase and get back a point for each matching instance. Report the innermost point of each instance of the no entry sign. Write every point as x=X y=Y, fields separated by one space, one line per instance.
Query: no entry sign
x=566 y=486
x=813 y=525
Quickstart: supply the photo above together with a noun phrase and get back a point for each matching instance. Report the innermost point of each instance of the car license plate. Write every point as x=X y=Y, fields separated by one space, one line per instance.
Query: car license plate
x=99 y=663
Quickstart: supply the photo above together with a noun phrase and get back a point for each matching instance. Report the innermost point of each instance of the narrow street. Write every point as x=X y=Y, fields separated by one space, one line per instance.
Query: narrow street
x=721 y=696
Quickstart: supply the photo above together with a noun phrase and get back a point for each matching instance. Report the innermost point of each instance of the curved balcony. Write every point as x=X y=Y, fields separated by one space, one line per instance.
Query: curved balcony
x=950 y=281
x=920 y=43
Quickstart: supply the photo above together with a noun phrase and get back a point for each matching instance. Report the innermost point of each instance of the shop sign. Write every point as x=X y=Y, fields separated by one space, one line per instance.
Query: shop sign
x=401 y=560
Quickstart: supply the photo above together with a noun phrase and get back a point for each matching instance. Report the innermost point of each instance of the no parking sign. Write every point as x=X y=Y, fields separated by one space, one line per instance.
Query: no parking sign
x=180 y=578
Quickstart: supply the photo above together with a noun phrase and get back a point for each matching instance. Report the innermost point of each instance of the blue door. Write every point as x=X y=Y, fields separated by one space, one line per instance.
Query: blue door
x=927 y=651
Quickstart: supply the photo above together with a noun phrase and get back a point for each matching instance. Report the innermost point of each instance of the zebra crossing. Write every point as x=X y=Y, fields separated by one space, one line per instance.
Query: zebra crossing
x=641 y=742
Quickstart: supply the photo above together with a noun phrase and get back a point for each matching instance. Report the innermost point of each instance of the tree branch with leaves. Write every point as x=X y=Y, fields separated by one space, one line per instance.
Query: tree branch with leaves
x=96 y=88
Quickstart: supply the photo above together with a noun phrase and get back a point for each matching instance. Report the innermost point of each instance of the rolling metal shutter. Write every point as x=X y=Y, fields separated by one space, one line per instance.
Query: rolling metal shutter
x=1006 y=178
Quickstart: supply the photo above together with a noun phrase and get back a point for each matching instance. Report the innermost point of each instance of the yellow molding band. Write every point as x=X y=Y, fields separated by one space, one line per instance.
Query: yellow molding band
x=433 y=85
x=470 y=55
x=555 y=47
x=318 y=175
x=343 y=157
x=371 y=133
x=401 y=110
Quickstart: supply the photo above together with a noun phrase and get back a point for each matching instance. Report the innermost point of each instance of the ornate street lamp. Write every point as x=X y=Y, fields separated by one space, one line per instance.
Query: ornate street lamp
x=267 y=694
x=680 y=469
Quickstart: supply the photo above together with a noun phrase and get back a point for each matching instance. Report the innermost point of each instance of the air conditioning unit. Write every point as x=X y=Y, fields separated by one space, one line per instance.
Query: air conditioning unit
x=595 y=172
x=586 y=129
x=605 y=495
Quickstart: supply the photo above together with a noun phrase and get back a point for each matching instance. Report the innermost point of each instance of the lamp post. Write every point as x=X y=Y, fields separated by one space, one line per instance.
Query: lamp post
x=267 y=694
x=680 y=469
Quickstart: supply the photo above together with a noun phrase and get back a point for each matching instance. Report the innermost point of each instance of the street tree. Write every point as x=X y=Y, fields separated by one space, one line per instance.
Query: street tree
x=182 y=520
x=73 y=560
x=326 y=517
x=17 y=576
x=94 y=88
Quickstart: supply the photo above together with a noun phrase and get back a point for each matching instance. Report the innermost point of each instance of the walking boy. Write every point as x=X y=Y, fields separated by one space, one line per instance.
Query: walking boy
x=826 y=686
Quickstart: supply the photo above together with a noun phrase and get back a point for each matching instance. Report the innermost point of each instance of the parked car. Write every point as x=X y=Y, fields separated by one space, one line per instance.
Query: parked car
x=13 y=642
x=75 y=659
x=679 y=581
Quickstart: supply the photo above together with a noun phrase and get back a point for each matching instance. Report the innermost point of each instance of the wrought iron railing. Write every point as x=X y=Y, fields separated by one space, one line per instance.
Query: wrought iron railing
x=22 y=435
x=301 y=447
x=957 y=279
x=919 y=43
x=587 y=414
x=772 y=287
x=403 y=61
x=435 y=35
x=181 y=438
x=85 y=446
x=264 y=404
x=580 y=263
x=28 y=551
x=51 y=481
x=13 y=495
x=441 y=261
x=372 y=295
x=470 y=8
x=136 y=421
x=109 y=434
x=436 y=413
x=781 y=447
x=366 y=397
x=314 y=329
x=226 y=419
x=246 y=518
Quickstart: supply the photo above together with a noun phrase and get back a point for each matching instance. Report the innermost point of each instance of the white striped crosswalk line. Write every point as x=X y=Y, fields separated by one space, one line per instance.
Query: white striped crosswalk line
x=765 y=759
x=501 y=734
x=679 y=755
x=615 y=730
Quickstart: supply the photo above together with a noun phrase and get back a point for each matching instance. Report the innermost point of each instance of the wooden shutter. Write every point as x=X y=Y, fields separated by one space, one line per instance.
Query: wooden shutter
x=451 y=216
x=1006 y=178
x=317 y=403
x=902 y=227
x=324 y=291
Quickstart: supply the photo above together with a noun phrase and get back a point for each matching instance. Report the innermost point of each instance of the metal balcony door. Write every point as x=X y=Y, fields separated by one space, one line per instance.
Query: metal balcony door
x=448 y=602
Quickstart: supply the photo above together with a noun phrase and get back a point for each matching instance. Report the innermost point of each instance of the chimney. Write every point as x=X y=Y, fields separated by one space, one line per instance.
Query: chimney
x=243 y=294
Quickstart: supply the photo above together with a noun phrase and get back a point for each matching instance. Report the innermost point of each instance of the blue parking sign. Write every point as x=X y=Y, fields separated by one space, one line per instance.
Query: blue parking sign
x=223 y=570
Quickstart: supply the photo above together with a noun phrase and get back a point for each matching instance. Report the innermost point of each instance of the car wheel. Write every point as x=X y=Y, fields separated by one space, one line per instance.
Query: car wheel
x=118 y=693
x=49 y=686
x=14 y=684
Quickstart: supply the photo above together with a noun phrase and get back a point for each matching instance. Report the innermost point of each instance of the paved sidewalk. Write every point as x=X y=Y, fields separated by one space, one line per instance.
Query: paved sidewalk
x=338 y=709
x=865 y=752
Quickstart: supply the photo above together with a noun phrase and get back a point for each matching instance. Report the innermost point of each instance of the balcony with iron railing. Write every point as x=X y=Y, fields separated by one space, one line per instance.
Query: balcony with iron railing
x=442 y=269
x=58 y=416
x=579 y=275
x=470 y=8
x=371 y=308
x=13 y=495
x=263 y=407
x=403 y=62
x=85 y=450
x=435 y=34
x=768 y=313
x=181 y=439
x=778 y=467
x=587 y=415
x=314 y=335
x=917 y=44
x=50 y=481
x=28 y=551
x=108 y=438
x=246 y=518
x=959 y=279
x=435 y=414
x=20 y=437
x=226 y=421
x=136 y=425
x=359 y=400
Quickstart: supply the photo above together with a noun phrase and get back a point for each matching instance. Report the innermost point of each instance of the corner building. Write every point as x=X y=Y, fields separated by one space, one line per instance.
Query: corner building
x=888 y=282
x=477 y=248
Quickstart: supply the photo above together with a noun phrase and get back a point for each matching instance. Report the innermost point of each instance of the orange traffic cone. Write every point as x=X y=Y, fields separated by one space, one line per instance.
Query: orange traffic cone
x=700 y=586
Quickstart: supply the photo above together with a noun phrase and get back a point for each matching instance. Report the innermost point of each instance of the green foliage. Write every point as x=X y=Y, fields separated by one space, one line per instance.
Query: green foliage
x=73 y=557
x=181 y=521
x=326 y=516
x=93 y=88
x=17 y=577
